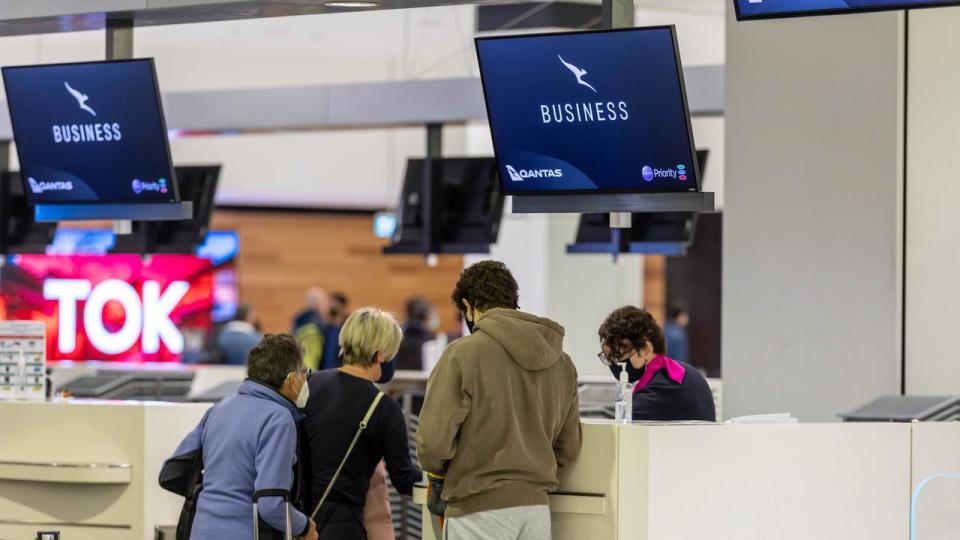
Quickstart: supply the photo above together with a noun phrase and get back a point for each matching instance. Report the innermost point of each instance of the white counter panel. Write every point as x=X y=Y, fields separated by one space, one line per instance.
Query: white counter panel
x=88 y=469
x=789 y=482
x=936 y=465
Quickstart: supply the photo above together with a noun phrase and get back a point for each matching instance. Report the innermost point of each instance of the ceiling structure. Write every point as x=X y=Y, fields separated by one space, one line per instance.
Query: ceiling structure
x=53 y=16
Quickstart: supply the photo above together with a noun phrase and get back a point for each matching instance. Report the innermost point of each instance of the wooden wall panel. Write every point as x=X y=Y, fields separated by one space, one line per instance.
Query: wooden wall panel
x=655 y=286
x=284 y=253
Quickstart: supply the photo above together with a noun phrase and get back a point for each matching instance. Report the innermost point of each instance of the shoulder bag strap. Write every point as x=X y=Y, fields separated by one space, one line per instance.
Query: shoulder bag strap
x=356 y=437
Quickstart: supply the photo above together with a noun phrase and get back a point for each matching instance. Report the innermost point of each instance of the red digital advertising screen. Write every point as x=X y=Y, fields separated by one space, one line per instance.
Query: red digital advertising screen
x=119 y=307
x=111 y=307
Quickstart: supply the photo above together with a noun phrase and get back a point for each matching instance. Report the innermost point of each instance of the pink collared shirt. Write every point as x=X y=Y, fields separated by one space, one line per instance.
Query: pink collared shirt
x=674 y=370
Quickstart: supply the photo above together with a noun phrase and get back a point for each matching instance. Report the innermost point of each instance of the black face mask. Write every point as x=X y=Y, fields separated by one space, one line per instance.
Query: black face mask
x=387 y=369
x=471 y=325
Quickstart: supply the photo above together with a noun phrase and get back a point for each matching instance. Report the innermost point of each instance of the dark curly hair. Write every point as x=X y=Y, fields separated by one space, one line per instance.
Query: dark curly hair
x=486 y=285
x=275 y=357
x=634 y=325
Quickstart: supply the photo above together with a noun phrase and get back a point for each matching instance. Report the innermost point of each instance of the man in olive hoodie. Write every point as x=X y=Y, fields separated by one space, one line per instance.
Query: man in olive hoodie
x=501 y=414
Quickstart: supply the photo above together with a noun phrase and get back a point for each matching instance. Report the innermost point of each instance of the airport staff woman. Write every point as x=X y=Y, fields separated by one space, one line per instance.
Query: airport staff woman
x=664 y=388
x=248 y=442
x=340 y=399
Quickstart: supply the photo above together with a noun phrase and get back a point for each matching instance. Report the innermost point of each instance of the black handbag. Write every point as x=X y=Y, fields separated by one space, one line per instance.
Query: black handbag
x=183 y=475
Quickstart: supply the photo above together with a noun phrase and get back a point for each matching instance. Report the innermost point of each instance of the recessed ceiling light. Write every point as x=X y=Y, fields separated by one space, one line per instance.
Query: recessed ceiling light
x=352 y=4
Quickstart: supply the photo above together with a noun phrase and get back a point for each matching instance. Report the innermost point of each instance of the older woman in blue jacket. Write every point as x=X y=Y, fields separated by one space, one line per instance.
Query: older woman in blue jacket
x=248 y=442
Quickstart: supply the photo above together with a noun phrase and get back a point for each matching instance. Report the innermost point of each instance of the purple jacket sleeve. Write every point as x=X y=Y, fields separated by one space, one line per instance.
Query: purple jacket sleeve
x=194 y=439
x=276 y=455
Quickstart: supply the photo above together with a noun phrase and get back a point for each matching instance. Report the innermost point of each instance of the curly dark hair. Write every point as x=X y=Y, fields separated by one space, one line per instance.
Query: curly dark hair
x=486 y=285
x=275 y=357
x=634 y=325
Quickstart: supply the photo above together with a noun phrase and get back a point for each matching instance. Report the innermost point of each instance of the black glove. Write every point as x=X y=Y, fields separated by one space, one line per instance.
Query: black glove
x=434 y=495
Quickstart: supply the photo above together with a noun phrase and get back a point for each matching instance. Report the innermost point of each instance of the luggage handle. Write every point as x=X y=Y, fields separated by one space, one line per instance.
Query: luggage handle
x=288 y=518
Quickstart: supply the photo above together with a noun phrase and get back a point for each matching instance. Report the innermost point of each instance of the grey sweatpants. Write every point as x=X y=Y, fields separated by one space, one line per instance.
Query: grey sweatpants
x=518 y=523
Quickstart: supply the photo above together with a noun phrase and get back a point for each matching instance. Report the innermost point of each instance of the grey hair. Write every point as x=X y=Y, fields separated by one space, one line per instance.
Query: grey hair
x=274 y=358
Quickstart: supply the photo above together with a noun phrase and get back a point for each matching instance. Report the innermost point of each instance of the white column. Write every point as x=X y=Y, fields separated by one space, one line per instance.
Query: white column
x=933 y=223
x=812 y=212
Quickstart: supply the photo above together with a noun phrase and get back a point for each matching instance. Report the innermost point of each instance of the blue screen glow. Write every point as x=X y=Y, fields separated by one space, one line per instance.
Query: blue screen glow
x=384 y=224
x=750 y=9
x=90 y=132
x=589 y=111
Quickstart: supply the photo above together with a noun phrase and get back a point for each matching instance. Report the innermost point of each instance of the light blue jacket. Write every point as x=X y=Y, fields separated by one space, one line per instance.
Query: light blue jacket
x=249 y=443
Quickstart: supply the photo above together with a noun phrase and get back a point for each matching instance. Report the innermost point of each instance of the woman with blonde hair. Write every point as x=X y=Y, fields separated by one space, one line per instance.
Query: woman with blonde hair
x=341 y=456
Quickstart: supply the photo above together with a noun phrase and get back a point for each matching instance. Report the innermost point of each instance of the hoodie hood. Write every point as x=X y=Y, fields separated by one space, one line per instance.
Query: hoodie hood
x=535 y=343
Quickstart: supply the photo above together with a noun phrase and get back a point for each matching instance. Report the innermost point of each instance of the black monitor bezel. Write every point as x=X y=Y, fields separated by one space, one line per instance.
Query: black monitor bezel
x=837 y=11
x=163 y=124
x=504 y=188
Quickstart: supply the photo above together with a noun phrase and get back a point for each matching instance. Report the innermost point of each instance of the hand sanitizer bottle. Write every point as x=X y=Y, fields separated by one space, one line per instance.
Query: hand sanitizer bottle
x=623 y=397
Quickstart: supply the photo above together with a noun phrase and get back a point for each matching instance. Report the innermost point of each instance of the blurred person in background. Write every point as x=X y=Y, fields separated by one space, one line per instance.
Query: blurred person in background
x=664 y=389
x=339 y=308
x=238 y=336
x=336 y=315
x=310 y=326
x=341 y=398
x=248 y=444
x=675 y=332
x=420 y=327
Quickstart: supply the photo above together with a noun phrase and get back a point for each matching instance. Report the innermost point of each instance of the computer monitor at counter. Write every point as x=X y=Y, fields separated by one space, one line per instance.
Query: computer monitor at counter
x=455 y=206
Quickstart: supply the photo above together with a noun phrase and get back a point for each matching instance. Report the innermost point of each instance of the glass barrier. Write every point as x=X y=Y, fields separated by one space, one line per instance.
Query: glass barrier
x=935 y=508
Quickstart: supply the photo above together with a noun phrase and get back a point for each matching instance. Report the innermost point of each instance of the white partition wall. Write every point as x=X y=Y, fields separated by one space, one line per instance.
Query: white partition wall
x=933 y=222
x=812 y=204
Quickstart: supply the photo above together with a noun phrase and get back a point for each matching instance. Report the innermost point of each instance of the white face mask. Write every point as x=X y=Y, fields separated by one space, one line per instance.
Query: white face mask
x=303 y=396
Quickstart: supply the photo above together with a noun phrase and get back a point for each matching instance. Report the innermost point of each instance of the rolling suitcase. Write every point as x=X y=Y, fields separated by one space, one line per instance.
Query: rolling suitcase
x=288 y=512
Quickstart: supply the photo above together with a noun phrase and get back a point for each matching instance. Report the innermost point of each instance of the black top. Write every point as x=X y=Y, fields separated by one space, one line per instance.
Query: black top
x=663 y=399
x=410 y=355
x=338 y=402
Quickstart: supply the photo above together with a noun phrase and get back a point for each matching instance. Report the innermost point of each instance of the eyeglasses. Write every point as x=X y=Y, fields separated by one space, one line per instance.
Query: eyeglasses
x=609 y=360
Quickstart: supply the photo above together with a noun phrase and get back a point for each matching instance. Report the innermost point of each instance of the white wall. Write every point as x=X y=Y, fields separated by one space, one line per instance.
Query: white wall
x=933 y=223
x=700 y=26
x=812 y=208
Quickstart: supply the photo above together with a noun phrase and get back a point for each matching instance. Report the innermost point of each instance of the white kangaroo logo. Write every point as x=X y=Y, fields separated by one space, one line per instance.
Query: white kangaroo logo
x=81 y=99
x=578 y=72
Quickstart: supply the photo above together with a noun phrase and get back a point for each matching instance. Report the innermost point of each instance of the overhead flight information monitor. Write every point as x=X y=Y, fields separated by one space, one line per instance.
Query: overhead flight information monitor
x=589 y=112
x=768 y=9
x=90 y=133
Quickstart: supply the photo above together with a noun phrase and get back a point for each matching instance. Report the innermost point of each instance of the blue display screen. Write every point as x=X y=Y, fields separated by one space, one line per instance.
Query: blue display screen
x=589 y=111
x=90 y=132
x=757 y=9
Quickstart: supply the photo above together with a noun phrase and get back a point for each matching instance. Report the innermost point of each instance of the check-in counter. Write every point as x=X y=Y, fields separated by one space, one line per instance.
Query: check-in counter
x=89 y=468
x=789 y=482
